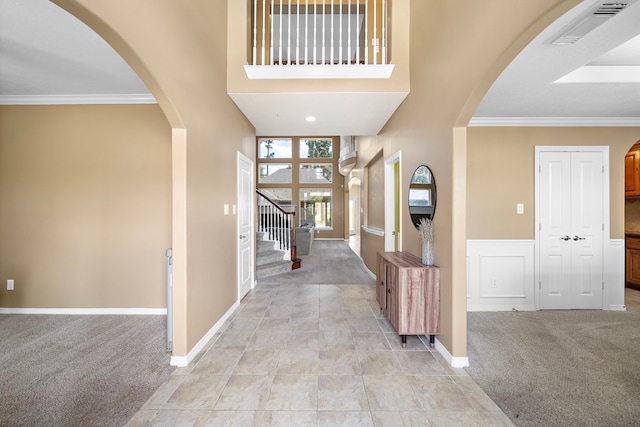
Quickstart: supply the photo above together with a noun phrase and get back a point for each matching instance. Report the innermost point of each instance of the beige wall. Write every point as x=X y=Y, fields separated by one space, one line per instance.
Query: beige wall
x=501 y=174
x=374 y=206
x=456 y=52
x=180 y=53
x=85 y=206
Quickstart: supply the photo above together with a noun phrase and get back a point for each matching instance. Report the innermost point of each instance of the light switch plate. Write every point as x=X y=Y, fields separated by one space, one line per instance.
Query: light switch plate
x=520 y=208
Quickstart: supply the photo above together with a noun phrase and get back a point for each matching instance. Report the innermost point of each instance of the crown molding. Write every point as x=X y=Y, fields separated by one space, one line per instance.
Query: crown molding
x=136 y=98
x=555 y=121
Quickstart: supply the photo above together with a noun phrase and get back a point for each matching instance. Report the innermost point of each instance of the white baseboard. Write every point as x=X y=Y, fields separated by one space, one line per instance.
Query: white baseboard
x=182 y=361
x=617 y=308
x=500 y=308
x=370 y=273
x=87 y=311
x=456 y=362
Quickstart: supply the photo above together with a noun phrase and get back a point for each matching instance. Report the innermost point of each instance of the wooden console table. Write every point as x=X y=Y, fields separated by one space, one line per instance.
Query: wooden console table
x=409 y=294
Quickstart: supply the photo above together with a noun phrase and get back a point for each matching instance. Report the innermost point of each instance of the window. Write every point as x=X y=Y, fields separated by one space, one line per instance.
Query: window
x=280 y=196
x=316 y=148
x=301 y=174
x=269 y=148
x=315 y=207
x=314 y=173
x=274 y=173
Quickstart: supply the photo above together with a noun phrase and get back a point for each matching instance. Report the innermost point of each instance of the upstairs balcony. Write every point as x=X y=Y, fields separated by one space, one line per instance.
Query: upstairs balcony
x=344 y=34
x=336 y=60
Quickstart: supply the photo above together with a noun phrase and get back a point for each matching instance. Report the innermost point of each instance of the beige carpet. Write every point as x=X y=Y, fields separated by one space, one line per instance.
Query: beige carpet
x=559 y=368
x=330 y=262
x=58 y=370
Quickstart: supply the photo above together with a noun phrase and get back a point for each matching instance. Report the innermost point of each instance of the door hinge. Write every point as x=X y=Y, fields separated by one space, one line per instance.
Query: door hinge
x=539 y=285
x=603 y=286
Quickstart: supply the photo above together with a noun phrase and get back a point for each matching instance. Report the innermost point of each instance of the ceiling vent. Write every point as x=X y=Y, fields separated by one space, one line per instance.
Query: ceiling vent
x=585 y=24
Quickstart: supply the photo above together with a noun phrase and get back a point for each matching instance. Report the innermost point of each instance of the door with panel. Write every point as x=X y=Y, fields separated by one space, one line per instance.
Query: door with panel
x=571 y=229
x=246 y=201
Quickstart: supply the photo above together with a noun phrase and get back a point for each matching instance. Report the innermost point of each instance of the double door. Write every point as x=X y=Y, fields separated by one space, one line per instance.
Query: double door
x=571 y=229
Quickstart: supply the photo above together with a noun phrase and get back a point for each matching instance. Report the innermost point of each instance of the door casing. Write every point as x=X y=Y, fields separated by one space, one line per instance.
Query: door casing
x=393 y=207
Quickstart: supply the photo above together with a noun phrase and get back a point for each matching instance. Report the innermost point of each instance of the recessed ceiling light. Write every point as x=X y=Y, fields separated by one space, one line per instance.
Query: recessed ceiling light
x=310 y=118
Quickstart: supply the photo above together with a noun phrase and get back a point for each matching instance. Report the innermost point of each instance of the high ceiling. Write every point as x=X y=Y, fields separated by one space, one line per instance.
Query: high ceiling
x=527 y=92
x=49 y=57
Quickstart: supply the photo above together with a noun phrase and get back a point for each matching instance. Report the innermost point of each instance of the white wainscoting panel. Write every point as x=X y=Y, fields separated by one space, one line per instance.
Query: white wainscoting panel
x=614 y=276
x=500 y=275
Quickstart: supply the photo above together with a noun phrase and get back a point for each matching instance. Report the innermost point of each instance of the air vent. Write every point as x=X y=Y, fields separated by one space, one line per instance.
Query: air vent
x=610 y=9
x=585 y=24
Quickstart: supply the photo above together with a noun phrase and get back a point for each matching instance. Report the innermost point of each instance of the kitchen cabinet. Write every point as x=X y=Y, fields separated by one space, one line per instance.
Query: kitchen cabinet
x=633 y=262
x=408 y=293
x=632 y=172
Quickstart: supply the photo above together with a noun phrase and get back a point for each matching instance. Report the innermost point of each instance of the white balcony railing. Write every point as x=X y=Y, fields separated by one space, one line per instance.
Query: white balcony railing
x=319 y=32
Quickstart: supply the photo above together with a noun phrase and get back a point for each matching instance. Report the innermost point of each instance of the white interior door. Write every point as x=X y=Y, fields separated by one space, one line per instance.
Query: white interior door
x=571 y=229
x=246 y=231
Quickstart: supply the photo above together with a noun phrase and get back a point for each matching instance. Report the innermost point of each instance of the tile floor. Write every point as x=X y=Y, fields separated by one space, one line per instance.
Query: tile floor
x=317 y=355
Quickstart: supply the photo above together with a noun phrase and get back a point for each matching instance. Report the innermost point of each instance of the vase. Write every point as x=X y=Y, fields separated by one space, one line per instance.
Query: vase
x=427 y=253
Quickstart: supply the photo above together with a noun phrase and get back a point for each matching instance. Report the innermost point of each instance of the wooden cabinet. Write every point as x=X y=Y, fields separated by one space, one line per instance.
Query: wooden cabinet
x=632 y=172
x=408 y=294
x=633 y=262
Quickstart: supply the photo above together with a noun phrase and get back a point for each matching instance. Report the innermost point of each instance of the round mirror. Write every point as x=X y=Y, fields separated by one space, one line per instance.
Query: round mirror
x=422 y=195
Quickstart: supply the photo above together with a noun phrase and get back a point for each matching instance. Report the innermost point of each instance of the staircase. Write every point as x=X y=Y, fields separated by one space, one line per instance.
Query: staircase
x=269 y=259
x=275 y=239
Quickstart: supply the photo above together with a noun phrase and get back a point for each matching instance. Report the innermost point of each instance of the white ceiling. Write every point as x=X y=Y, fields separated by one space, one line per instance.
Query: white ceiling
x=525 y=93
x=49 y=57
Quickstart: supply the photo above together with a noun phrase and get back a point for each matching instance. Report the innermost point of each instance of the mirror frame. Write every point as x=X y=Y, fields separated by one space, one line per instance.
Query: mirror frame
x=423 y=192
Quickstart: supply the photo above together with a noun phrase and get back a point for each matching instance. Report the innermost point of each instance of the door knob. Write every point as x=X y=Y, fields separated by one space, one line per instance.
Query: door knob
x=566 y=238
x=242 y=236
x=578 y=238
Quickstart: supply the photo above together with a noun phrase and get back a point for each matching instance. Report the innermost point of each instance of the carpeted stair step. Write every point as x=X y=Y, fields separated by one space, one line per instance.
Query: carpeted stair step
x=272 y=269
x=269 y=256
x=262 y=245
x=270 y=260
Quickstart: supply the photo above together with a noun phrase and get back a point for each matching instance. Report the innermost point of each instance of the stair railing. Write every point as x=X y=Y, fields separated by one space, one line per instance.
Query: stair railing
x=279 y=225
x=295 y=33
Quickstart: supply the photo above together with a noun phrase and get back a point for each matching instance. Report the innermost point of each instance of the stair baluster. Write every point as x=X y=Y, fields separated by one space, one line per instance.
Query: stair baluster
x=279 y=225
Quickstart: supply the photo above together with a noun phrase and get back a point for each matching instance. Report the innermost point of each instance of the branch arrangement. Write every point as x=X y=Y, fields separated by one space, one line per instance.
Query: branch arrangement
x=425 y=229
